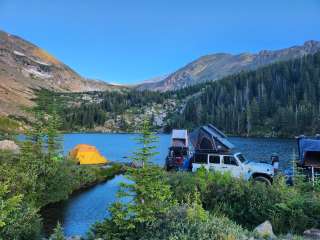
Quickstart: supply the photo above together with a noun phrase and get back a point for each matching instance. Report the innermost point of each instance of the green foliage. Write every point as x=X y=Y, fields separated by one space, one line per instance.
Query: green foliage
x=8 y=128
x=57 y=233
x=177 y=225
x=290 y=209
x=146 y=140
x=39 y=175
x=8 y=205
x=113 y=103
x=18 y=219
x=86 y=176
x=142 y=200
x=281 y=99
x=40 y=157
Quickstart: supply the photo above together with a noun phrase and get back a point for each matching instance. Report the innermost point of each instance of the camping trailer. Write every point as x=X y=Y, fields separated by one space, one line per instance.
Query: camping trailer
x=309 y=155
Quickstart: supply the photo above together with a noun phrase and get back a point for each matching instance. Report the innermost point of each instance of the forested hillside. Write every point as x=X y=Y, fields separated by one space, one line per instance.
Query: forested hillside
x=116 y=110
x=282 y=99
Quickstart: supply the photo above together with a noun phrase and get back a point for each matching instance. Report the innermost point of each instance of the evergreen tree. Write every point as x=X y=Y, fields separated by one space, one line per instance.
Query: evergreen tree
x=57 y=233
x=146 y=197
x=146 y=141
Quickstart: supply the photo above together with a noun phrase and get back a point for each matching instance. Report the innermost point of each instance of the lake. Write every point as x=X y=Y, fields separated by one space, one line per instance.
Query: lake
x=85 y=208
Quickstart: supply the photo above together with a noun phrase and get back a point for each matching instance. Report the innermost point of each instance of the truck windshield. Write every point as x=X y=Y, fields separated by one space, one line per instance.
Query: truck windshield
x=241 y=158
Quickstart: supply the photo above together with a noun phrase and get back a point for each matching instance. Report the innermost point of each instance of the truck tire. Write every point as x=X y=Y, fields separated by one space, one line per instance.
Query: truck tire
x=262 y=179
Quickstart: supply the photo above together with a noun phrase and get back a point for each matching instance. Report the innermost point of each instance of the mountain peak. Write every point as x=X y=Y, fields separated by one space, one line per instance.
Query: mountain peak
x=216 y=66
x=24 y=67
x=312 y=43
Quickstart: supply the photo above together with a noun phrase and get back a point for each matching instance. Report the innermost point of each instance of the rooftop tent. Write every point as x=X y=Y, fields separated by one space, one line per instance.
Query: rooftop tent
x=209 y=138
x=309 y=151
x=87 y=154
x=179 y=138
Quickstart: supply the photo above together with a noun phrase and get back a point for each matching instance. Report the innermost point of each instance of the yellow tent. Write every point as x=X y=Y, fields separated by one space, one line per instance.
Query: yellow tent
x=86 y=154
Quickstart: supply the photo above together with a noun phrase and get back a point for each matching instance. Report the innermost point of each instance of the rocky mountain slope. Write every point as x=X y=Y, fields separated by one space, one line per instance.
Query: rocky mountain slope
x=24 y=67
x=216 y=66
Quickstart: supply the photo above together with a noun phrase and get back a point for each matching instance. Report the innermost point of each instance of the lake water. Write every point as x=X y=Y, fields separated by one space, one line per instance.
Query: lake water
x=119 y=147
x=84 y=209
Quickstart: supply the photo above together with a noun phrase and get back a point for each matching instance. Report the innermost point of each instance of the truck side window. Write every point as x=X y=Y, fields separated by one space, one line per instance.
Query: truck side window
x=229 y=160
x=214 y=159
x=201 y=158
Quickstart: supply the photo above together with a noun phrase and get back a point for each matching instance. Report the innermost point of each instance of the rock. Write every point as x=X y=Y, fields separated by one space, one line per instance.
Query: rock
x=8 y=145
x=312 y=233
x=265 y=230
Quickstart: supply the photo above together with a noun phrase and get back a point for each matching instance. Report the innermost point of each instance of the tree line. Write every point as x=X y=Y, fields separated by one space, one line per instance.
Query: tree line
x=112 y=103
x=282 y=99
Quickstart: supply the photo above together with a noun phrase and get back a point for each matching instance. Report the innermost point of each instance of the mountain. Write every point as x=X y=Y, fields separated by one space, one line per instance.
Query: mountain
x=281 y=99
x=155 y=79
x=216 y=66
x=24 y=67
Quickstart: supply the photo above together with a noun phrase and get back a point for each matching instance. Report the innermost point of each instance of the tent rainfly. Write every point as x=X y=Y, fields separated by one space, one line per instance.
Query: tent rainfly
x=209 y=138
x=87 y=155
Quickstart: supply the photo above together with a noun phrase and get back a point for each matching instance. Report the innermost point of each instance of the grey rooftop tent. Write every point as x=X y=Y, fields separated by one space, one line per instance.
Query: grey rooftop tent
x=209 y=138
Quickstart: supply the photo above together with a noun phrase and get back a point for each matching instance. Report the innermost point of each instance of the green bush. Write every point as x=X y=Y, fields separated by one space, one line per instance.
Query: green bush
x=179 y=224
x=18 y=219
x=290 y=209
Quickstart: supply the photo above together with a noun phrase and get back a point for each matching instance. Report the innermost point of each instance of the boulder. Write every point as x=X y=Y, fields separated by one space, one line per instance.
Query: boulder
x=8 y=145
x=312 y=233
x=264 y=230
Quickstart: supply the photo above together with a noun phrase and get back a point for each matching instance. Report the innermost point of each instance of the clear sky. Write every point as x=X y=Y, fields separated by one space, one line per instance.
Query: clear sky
x=127 y=41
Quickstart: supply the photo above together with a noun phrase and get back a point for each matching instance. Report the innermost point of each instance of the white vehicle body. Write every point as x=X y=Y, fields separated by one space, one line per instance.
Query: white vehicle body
x=235 y=164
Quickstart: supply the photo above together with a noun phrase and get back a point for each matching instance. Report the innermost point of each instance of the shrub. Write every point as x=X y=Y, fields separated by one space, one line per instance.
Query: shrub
x=18 y=219
x=290 y=209
x=179 y=224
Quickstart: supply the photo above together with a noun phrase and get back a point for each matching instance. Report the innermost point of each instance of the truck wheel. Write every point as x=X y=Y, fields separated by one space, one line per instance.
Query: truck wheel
x=262 y=179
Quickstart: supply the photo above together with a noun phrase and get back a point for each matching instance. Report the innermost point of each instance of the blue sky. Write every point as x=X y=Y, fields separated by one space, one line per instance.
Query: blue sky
x=127 y=41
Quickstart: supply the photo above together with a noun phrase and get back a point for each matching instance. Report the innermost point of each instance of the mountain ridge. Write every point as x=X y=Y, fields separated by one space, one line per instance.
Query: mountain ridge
x=215 y=66
x=24 y=67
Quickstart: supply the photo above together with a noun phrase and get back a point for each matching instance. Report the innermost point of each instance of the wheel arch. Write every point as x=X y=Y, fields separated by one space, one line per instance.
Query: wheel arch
x=257 y=174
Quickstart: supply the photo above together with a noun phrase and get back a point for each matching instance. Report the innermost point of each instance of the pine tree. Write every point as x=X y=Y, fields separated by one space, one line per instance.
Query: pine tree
x=57 y=233
x=146 y=140
x=146 y=197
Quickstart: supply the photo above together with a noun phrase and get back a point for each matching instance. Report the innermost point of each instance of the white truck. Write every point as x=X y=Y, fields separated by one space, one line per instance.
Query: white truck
x=235 y=164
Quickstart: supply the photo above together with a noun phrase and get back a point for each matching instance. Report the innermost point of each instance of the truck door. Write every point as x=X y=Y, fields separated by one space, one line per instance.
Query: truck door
x=230 y=164
x=214 y=162
x=200 y=160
